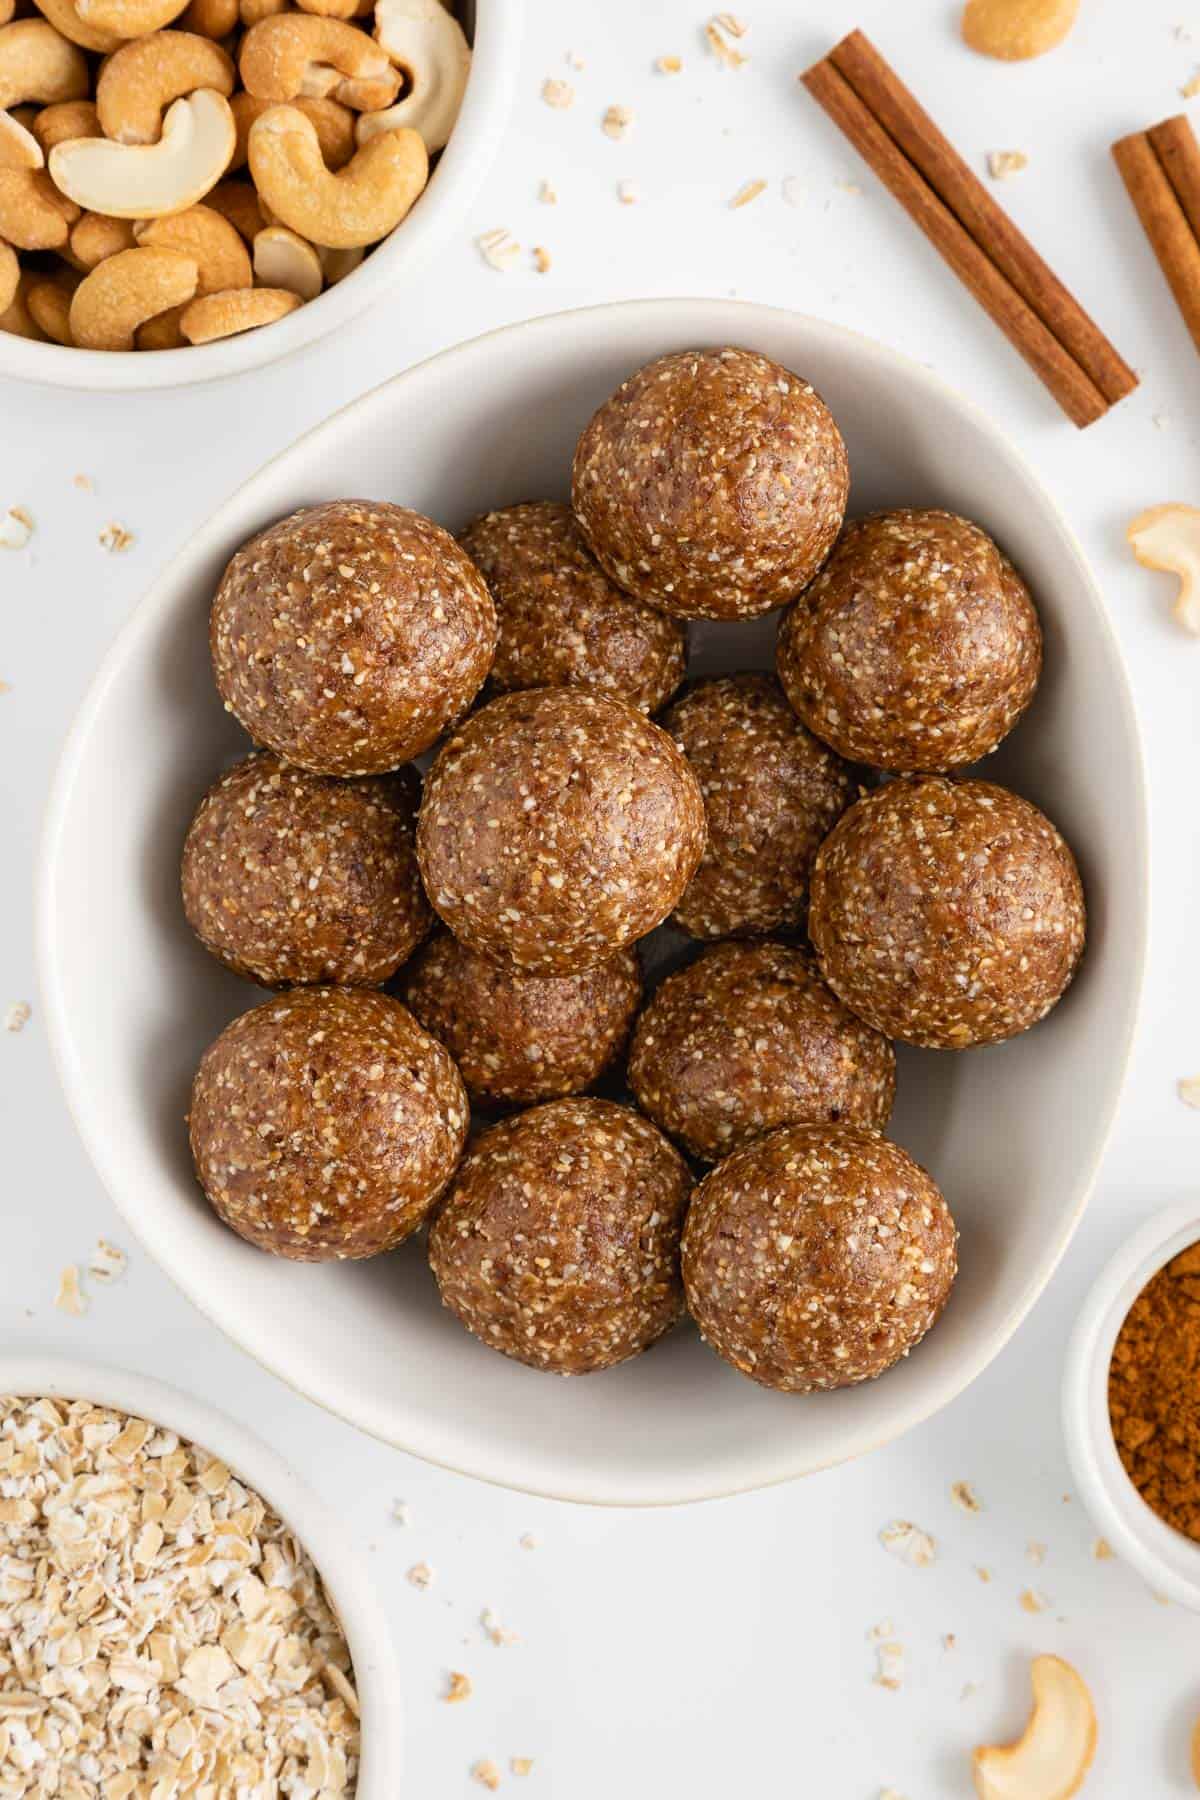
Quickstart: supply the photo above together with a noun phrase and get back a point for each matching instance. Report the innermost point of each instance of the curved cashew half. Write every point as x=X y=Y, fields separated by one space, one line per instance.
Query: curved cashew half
x=96 y=237
x=10 y=276
x=69 y=119
x=64 y=18
x=140 y=81
x=224 y=315
x=33 y=214
x=429 y=45
x=237 y=202
x=16 y=317
x=49 y=303
x=1052 y=1757
x=334 y=126
x=130 y=18
x=124 y=292
x=19 y=149
x=210 y=18
x=38 y=63
x=221 y=258
x=145 y=181
x=337 y=264
x=359 y=205
x=296 y=53
x=1168 y=538
x=162 y=331
x=284 y=260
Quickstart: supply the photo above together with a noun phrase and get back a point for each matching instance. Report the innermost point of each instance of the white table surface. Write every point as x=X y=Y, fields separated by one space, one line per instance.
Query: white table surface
x=722 y=1649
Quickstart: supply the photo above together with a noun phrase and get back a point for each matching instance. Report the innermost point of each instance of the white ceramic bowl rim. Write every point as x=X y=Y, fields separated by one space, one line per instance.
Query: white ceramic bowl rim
x=1167 y=1559
x=687 y=321
x=376 y=1670
x=457 y=179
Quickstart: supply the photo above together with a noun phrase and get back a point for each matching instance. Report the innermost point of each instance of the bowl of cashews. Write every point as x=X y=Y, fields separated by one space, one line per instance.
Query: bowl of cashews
x=193 y=188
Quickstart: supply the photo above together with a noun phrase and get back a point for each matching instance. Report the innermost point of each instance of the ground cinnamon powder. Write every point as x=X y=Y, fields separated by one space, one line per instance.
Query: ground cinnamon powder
x=1154 y=1392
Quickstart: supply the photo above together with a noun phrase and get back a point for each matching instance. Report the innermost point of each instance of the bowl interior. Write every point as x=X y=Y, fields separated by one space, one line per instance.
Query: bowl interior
x=1012 y=1133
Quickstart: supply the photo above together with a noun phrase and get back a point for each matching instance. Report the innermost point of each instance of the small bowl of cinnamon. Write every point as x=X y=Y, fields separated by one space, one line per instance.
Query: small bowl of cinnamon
x=1131 y=1403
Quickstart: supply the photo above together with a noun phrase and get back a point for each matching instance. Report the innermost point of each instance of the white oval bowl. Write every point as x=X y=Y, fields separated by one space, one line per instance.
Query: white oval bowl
x=364 y=1622
x=1164 y=1557
x=496 y=41
x=1013 y=1133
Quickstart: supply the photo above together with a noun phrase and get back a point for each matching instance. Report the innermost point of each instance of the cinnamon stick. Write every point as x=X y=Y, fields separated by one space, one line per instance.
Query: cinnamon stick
x=1157 y=200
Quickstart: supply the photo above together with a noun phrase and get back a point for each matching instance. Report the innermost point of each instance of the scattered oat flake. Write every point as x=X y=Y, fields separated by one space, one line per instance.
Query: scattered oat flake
x=493 y=1629
x=521 y=1765
x=792 y=189
x=69 y=1298
x=458 y=1687
x=1032 y=1602
x=1189 y=1090
x=17 y=1015
x=558 y=94
x=908 y=1542
x=499 y=249
x=107 y=1263
x=616 y=122
x=114 y=538
x=1191 y=88
x=884 y=1629
x=16 y=528
x=965 y=1497
x=420 y=1575
x=889 y=1672
x=983 y=1574
x=486 y=1774
x=721 y=48
x=730 y=22
x=949 y=1641
x=548 y=194
x=749 y=190
x=669 y=65
x=400 y=1512
x=541 y=259
x=1003 y=163
x=528 y=1541
x=627 y=193
x=1159 y=1599
x=1102 y=1550
x=83 y=483
x=849 y=187
x=1036 y=1552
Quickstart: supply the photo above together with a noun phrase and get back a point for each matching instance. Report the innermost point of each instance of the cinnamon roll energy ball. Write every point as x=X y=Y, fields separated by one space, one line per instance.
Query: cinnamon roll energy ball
x=916 y=648
x=325 y=1124
x=562 y=622
x=558 y=1243
x=348 y=636
x=519 y=1037
x=291 y=878
x=817 y=1256
x=557 y=826
x=946 y=913
x=712 y=484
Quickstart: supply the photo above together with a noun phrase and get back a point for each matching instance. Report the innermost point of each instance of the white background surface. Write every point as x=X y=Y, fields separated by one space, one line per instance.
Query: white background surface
x=721 y=1649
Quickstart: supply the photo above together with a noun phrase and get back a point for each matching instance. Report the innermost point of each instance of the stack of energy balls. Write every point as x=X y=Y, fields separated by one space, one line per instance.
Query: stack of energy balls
x=472 y=941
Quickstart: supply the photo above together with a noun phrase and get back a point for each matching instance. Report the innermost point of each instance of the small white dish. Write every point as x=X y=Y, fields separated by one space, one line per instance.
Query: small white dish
x=1164 y=1557
x=376 y=1669
x=495 y=28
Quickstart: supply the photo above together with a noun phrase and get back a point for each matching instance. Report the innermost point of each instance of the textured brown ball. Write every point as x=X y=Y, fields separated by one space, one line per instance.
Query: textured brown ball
x=947 y=913
x=556 y=827
x=562 y=622
x=771 y=793
x=749 y=1037
x=348 y=636
x=916 y=648
x=558 y=1243
x=817 y=1257
x=326 y=1123
x=712 y=484
x=522 y=1037
x=291 y=878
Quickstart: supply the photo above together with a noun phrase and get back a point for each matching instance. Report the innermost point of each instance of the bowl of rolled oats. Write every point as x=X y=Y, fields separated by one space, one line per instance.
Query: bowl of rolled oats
x=179 y=1613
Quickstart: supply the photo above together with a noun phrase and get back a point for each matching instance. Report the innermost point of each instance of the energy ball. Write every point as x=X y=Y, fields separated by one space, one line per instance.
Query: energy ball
x=749 y=1037
x=326 y=1123
x=556 y=827
x=350 y=635
x=818 y=1256
x=771 y=793
x=562 y=622
x=946 y=913
x=558 y=1243
x=917 y=648
x=291 y=878
x=712 y=484
x=522 y=1037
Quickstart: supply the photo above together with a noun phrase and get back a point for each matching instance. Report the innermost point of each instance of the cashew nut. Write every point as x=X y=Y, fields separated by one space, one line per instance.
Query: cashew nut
x=211 y=18
x=238 y=202
x=223 y=315
x=337 y=264
x=334 y=125
x=1168 y=538
x=49 y=303
x=96 y=237
x=7 y=10
x=64 y=18
x=130 y=18
x=1052 y=1757
x=16 y=318
x=330 y=9
x=141 y=79
x=359 y=205
x=162 y=331
x=369 y=93
x=19 y=149
x=10 y=276
x=69 y=119
x=122 y=293
x=221 y=258
x=33 y=214
x=429 y=45
x=284 y=260
x=296 y=53
x=145 y=181
x=251 y=12
x=38 y=63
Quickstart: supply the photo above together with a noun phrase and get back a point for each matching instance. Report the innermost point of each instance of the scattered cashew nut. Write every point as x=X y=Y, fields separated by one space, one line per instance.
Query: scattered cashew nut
x=358 y=205
x=330 y=9
x=223 y=315
x=1168 y=538
x=297 y=53
x=162 y=331
x=122 y=293
x=65 y=19
x=214 y=245
x=1053 y=1755
x=337 y=264
x=211 y=18
x=141 y=80
x=251 y=12
x=145 y=181
x=334 y=126
x=33 y=214
x=49 y=303
x=238 y=202
x=282 y=259
x=19 y=149
x=95 y=237
x=1015 y=30
x=38 y=63
x=69 y=119
x=429 y=45
x=130 y=18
